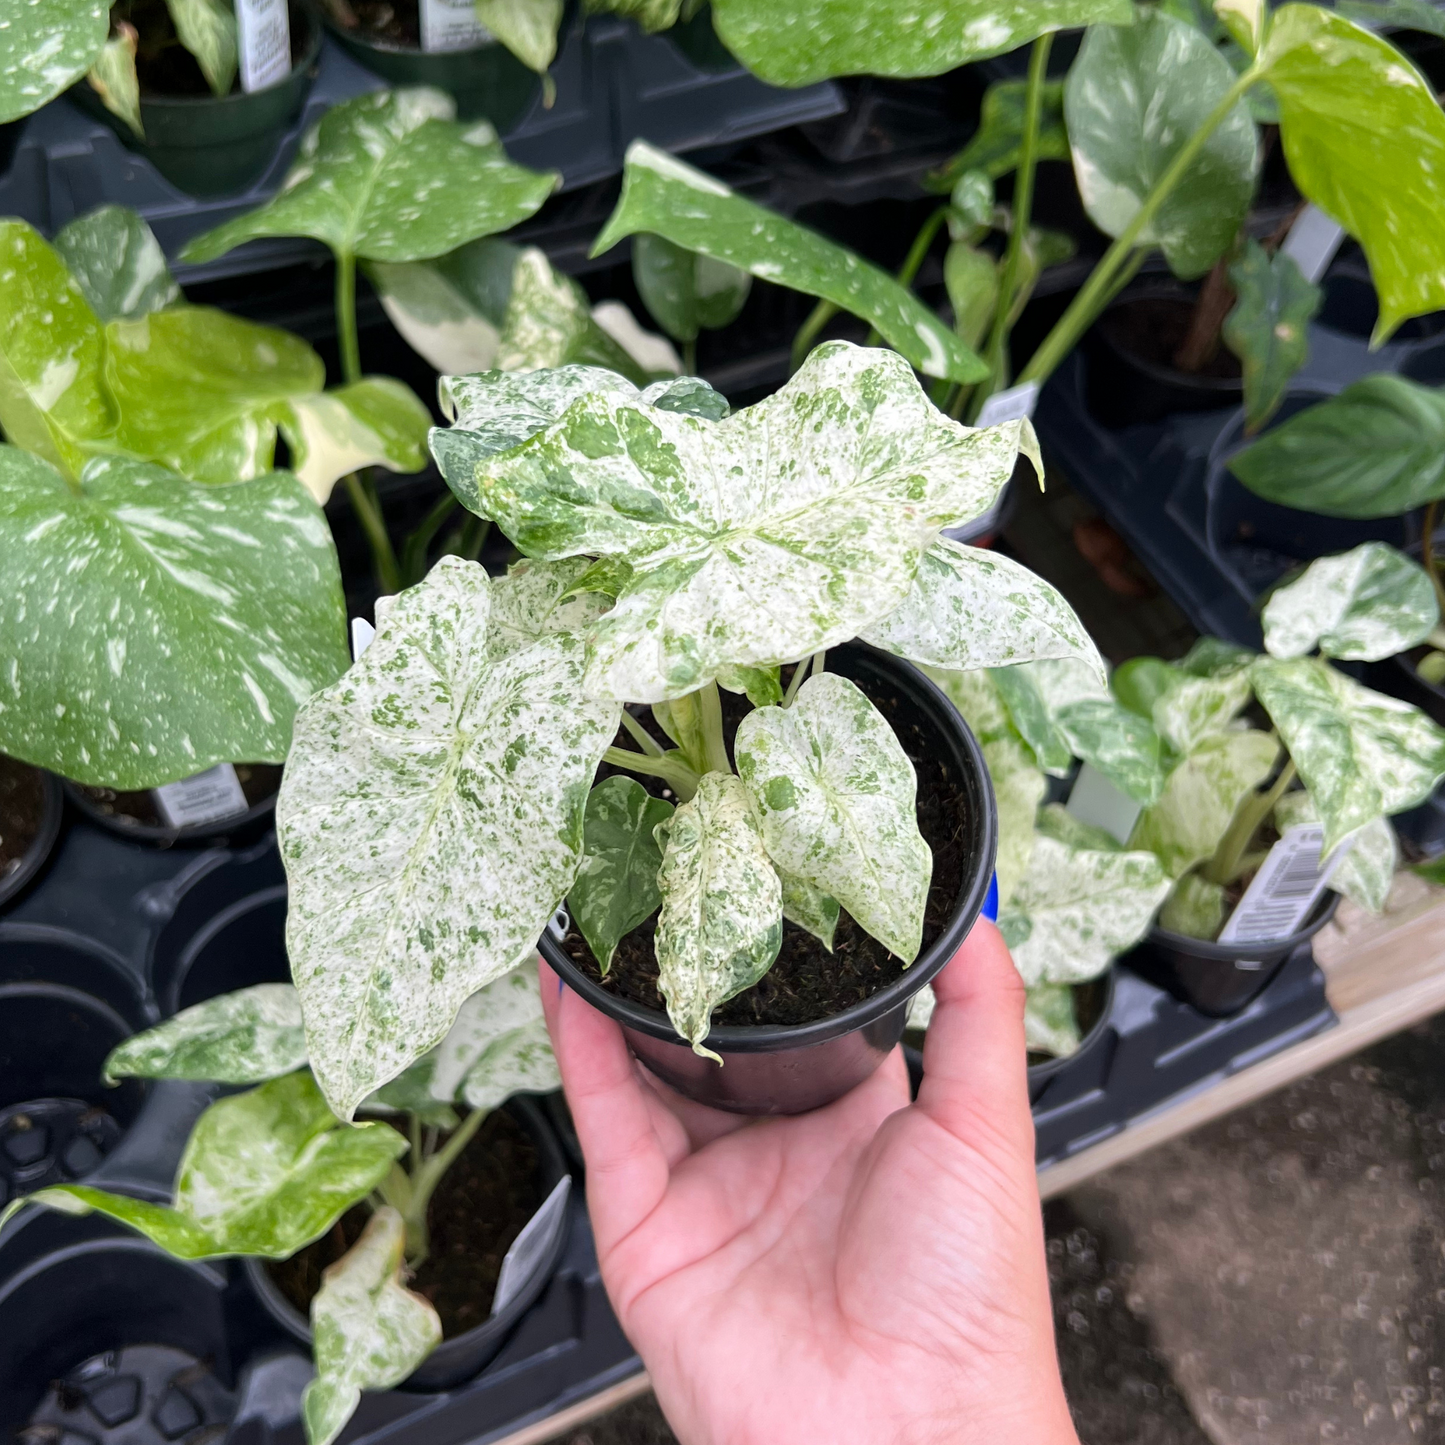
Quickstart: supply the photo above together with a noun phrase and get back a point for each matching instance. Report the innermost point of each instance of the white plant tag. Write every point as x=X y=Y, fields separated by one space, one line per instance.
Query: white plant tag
x=1011 y=405
x=1285 y=890
x=361 y=634
x=451 y=25
x=1096 y=801
x=1312 y=242
x=204 y=798
x=529 y=1246
x=263 y=35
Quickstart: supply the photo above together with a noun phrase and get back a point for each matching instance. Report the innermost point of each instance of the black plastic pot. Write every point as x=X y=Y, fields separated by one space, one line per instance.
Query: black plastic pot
x=1093 y=1003
x=790 y=1070
x=239 y=826
x=30 y=862
x=1351 y=306
x=460 y=1358
x=1220 y=979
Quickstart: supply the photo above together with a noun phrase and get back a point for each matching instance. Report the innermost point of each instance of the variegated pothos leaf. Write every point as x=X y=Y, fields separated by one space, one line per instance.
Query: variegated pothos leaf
x=1050 y=1025
x=373 y=422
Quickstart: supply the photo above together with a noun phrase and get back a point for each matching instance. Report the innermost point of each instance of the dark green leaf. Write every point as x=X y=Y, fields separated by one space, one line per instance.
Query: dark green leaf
x=117 y=263
x=684 y=290
x=994 y=147
x=1267 y=329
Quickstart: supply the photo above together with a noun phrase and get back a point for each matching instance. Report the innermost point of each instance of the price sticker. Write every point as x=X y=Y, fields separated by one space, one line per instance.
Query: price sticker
x=1285 y=890
x=206 y=797
x=1015 y=404
x=451 y=25
x=531 y=1244
x=263 y=36
x=1312 y=242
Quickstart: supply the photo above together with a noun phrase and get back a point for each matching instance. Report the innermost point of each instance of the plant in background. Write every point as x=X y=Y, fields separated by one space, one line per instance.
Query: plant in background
x=270 y=1170
x=686 y=292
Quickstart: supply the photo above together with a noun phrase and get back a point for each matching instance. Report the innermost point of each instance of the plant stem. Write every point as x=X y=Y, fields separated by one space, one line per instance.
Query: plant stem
x=1224 y=867
x=1092 y=298
x=413 y=556
x=800 y=672
x=388 y=572
x=714 y=747
x=346 y=317
x=474 y=537
x=818 y=318
x=425 y=1180
x=676 y=774
x=913 y=260
x=1427 y=553
x=689 y=357
x=641 y=736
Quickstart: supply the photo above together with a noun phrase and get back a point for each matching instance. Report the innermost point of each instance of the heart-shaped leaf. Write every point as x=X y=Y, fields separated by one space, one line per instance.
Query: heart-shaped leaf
x=1363 y=605
x=244 y=1037
x=368 y=1331
x=1050 y=1024
x=666 y=197
x=1268 y=329
x=686 y=292
x=836 y=802
x=1134 y=97
x=207 y=28
x=46 y=46
x=995 y=146
x=117 y=263
x=1196 y=908
x=721 y=923
x=390 y=176
x=1367 y=871
x=373 y=422
x=430 y=821
x=536 y=599
x=152 y=627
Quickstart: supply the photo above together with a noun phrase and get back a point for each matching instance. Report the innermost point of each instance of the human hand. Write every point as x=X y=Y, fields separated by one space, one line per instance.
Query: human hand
x=872 y=1272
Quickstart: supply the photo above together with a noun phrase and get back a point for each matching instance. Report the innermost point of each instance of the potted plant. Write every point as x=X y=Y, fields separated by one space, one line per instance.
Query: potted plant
x=270 y=1174
x=30 y=808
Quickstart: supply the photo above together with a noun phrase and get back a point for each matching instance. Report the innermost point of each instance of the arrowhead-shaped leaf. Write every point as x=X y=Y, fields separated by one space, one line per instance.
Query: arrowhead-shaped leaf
x=1050 y=1026
x=430 y=822
x=244 y=1037
x=368 y=1331
x=1363 y=605
x=46 y=46
x=970 y=275
x=372 y=422
x=1361 y=754
x=113 y=78
x=722 y=909
x=1018 y=789
x=995 y=146
x=390 y=176
x=685 y=291
x=152 y=627
x=117 y=263
x=1268 y=329
x=1134 y=97
x=667 y=197
x=1364 y=875
x=836 y=801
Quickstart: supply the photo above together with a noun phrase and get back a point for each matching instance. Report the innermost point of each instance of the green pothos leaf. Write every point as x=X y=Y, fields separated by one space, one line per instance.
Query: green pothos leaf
x=373 y=422
x=1050 y=1024
x=721 y=923
x=685 y=291
x=1268 y=329
x=1184 y=706
x=835 y=797
x=45 y=47
x=971 y=277
x=117 y=262
x=430 y=821
x=207 y=28
x=1364 y=875
x=994 y=147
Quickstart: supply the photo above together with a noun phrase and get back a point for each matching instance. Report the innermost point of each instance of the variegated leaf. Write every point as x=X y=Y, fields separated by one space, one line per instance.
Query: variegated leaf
x=528 y=28
x=430 y=821
x=1184 y=705
x=685 y=291
x=971 y=608
x=117 y=262
x=1195 y=908
x=113 y=78
x=244 y=1037
x=207 y=28
x=44 y=47
x=1200 y=798
x=809 y=908
x=537 y=599
x=1050 y=1025
x=373 y=422
x=722 y=909
x=836 y=800
x=1363 y=605
x=1367 y=871
x=1362 y=755
x=980 y=703
x=368 y=1331
x=1018 y=789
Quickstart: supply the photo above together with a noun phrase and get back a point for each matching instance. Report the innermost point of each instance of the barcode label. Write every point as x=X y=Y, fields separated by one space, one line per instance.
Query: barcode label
x=451 y=25
x=1312 y=242
x=531 y=1244
x=1011 y=405
x=263 y=36
x=205 y=798
x=1285 y=890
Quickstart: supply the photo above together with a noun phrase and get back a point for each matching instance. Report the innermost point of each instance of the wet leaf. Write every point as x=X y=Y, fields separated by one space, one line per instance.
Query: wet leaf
x=45 y=47
x=1268 y=329
x=528 y=28
x=1050 y=1026
x=994 y=147
x=1367 y=871
x=685 y=291
x=1196 y=908
x=373 y=422
x=117 y=263
x=207 y=28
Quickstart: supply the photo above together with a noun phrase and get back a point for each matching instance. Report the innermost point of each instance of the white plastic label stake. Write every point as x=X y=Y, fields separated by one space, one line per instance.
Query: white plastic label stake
x=1286 y=888
x=361 y=634
x=263 y=35
x=205 y=798
x=531 y=1244
x=451 y=25
x=1312 y=242
x=1011 y=405
x=1096 y=801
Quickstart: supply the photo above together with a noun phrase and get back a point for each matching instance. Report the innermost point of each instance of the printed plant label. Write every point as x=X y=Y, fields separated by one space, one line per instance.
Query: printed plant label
x=1285 y=890
x=263 y=30
x=451 y=25
x=203 y=798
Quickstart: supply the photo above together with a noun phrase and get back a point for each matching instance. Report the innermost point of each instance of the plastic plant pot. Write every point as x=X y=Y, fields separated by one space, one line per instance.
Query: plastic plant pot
x=465 y=1355
x=43 y=802
x=1220 y=979
x=107 y=809
x=1093 y=1006
x=242 y=945
x=1350 y=305
x=774 y=1069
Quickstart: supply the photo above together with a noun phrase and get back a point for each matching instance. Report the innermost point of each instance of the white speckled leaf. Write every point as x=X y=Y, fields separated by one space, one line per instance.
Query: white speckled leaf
x=117 y=263
x=207 y=28
x=45 y=45
x=809 y=907
x=667 y=197
x=1367 y=870
x=373 y=422
x=1363 y=605
x=1018 y=789
x=1194 y=707
x=390 y=176
x=972 y=608
x=1079 y=903
x=536 y=599
x=150 y=627
x=244 y=1037
x=517 y=1057
x=978 y=700
x=368 y=1331
x=836 y=800
x=1195 y=907
x=430 y=821
x=1201 y=795
x=528 y=28
x=1361 y=754
x=721 y=923
x=1050 y=1026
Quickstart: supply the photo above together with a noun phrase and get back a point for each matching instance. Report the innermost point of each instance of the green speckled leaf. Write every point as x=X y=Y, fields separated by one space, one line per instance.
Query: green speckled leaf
x=150 y=627
x=528 y=28
x=390 y=176
x=836 y=798
x=809 y=908
x=1213 y=657
x=721 y=923
x=994 y=147
x=666 y=197
x=536 y=599
x=1366 y=872
x=651 y=15
x=244 y=1037
x=979 y=701
x=117 y=263
x=45 y=45
x=685 y=291
x=368 y=1331
x=373 y=422
x=972 y=608
x=1363 y=605
x=207 y=28
x=170 y=1229
x=1018 y=789
x=1200 y=797
x=1050 y=1026
x=1268 y=329
x=1195 y=908
x=1184 y=705
x=430 y=821
x=616 y=888
x=763 y=685
x=1361 y=754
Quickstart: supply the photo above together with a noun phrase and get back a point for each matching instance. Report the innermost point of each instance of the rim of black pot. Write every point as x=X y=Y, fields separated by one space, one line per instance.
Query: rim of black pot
x=34 y=857
x=1161 y=291
x=768 y=1038
x=356 y=37
x=158 y=833
x=1049 y=1067
x=1323 y=911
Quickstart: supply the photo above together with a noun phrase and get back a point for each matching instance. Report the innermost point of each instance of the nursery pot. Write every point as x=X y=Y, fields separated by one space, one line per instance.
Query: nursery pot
x=775 y=1069
x=464 y=1355
x=1220 y=979
x=31 y=805
x=217 y=145
x=134 y=815
x=1093 y=1007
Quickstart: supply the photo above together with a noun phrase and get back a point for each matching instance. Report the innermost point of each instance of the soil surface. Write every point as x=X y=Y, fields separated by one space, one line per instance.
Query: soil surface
x=258 y=781
x=479 y=1208
x=1153 y=328
x=807 y=982
x=22 y=811
x=384 y=22
x=164 y=66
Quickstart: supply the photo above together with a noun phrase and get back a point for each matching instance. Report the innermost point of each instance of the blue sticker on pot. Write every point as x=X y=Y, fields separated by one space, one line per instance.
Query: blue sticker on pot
x=990 y=900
